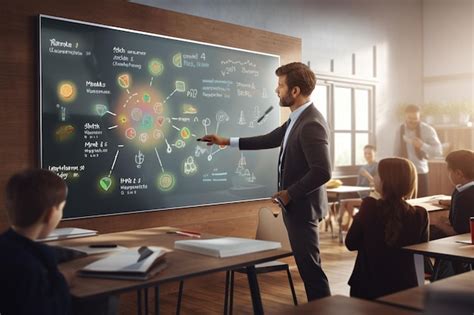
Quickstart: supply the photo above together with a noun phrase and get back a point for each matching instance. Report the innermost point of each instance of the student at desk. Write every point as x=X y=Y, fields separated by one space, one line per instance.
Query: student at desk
x=30 y=282
x=460 y=166
x=461 y=173
x=365 y=178
x=381 y=228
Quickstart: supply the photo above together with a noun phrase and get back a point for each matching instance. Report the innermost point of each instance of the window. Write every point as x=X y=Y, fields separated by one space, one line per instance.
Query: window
x=348 y=106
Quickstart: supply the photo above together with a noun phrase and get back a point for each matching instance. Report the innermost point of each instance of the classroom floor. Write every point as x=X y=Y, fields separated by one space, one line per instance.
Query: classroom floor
x=205 y=295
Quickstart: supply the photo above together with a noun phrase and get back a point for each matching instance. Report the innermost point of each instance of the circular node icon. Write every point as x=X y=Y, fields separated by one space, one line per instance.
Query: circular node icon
x=130 y=133
x=158 y=108
x=146 y=98
x=166 y=181
x=123 y=80
x=185 y=133
x=122 y=119
x=137 y=114
x=159 y=121
x=105 y=183
x=179 y=144
x=67 y=91
x=155 y=67
x=157 y=134
x=143 y=137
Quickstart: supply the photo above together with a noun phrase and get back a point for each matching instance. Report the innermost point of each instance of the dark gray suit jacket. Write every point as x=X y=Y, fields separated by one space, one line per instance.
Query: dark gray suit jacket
x=306 y=165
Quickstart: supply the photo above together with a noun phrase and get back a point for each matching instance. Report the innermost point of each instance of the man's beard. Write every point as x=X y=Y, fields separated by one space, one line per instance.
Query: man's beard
x=287 y=101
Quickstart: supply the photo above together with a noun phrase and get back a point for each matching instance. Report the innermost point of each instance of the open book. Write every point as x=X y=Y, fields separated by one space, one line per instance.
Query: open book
x=225 y=246
x=62 y=233
x=133 y=263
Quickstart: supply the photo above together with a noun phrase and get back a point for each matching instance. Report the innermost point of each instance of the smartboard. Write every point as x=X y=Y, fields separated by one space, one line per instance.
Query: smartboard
x=121 y=110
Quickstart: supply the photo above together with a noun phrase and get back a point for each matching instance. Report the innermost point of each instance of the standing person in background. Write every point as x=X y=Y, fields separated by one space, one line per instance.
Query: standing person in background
x=303 y=169
x=418 y=141
x=381 y=228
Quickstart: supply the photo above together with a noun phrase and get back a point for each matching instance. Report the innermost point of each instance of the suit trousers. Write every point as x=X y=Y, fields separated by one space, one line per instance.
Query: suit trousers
x=423 y=185
x=304 y=240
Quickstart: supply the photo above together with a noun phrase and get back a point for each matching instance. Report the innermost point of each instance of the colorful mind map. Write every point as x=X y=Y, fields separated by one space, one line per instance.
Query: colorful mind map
x=121 y=112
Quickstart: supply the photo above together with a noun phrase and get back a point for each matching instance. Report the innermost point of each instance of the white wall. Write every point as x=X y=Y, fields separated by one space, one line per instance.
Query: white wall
x=448 y=55
x=334 y=29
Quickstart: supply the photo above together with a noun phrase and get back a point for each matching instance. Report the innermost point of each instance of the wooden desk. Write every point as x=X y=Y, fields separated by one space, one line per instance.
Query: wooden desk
x=414 y=298
x=445 y=248
x=181 y=264
x=342 y=305
x=338 y=193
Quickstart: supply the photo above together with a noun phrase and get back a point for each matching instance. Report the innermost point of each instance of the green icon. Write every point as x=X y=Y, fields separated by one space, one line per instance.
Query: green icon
x=180 y=86
x=146 y=98
x=101 y=109
x=178 y=60
x=147 y=121
x=166 y=181
x=155 y=67
x=105 y=183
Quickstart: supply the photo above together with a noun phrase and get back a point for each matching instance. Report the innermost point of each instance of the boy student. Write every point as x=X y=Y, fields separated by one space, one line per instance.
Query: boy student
x=30 y=282
x=461 y=173
x=365 y=178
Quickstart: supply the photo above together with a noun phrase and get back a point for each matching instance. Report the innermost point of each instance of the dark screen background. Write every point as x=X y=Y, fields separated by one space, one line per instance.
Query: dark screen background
x=106 y=171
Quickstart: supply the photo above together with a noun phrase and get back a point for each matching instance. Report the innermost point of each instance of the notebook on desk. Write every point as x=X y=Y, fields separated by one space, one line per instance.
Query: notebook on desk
x=225 y=246
x=129 y=264
x=64 y=233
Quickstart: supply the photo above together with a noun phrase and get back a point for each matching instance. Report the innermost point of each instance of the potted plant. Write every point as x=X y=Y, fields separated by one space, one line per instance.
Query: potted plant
x=461 y=112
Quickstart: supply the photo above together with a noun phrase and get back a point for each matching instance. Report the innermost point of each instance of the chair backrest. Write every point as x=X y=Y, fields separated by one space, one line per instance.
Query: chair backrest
x=272 y=228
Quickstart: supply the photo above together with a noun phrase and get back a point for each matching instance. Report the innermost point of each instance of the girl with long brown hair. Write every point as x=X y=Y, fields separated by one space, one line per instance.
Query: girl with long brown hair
x=382 y=227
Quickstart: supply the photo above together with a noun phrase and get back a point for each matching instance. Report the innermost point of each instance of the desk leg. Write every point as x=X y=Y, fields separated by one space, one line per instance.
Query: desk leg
x=157 y=300
x=419 y=268
x=254 y=290
x=146 y=300
x=226 y=294
x=339 y=218
x=139 y=302
x=435 y=275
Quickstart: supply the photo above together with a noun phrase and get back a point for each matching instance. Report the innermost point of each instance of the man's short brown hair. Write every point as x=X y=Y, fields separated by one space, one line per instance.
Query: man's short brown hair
x=412 y=108
x=29 y=194
x=300 y=75
x=462 y=160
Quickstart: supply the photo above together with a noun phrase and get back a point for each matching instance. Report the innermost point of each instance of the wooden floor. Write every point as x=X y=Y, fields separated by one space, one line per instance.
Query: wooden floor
x=206 y=295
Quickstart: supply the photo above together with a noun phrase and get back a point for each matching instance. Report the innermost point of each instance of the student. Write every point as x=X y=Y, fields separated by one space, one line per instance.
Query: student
x=30 y=282
x=364 y=178
x=461 y=173
x=381 y=228
x=460 y=166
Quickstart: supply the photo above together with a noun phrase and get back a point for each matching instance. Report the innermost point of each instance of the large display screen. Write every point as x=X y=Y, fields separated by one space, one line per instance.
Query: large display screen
x=121 y=112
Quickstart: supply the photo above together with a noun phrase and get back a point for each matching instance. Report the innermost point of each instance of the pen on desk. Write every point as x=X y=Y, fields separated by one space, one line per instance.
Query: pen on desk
x=196 y=235
x=102 y=245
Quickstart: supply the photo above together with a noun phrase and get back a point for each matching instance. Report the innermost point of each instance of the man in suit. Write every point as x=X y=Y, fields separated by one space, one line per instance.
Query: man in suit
x=303 y=169
x=418 y=141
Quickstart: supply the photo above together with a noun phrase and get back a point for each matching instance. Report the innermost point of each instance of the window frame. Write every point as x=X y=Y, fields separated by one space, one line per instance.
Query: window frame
x=331 y=83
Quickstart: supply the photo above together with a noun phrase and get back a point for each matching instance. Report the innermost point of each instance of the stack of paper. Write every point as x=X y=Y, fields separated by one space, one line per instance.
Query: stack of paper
x=63 y=233
x=226 y=246
x=127 y=264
